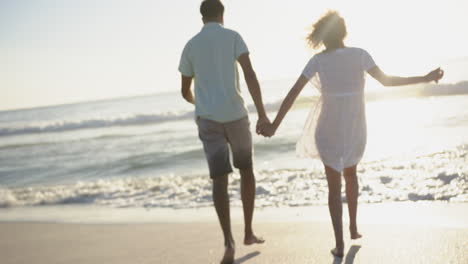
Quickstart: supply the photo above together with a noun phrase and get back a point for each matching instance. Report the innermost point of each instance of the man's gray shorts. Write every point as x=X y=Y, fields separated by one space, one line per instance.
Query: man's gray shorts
x=217 y=136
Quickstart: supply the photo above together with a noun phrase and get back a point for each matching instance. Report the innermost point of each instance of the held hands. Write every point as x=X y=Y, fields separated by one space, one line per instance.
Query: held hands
x=262 y=121
x=435 y=75
x=265 y=127
x=268 y=130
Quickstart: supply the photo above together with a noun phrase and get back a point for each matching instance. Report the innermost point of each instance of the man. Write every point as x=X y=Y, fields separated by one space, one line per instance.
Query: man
x=210 y=59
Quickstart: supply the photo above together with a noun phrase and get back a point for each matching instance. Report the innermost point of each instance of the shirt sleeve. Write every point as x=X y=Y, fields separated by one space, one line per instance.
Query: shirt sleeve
x=367 y=61
x=311 y=68
x=185 y=65
x=240 y=46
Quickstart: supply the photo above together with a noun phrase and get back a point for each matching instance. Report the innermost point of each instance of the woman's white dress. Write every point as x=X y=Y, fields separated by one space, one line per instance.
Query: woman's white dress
x=335 y=129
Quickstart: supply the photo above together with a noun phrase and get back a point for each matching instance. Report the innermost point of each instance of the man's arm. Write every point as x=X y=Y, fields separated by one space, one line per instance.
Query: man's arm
x=186 y=91
x=254 y=88
x=387 y=80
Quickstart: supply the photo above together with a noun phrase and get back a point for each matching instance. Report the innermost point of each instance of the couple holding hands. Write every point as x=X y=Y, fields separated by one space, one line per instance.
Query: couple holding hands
x=335 y=130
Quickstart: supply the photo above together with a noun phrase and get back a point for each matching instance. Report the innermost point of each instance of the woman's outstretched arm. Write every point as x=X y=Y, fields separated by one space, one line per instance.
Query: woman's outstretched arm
x=387 y=80
x=269 y=130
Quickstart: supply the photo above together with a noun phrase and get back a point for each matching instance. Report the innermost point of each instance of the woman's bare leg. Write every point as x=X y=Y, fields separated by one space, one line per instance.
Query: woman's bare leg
x=352 y=193
x=336 y=209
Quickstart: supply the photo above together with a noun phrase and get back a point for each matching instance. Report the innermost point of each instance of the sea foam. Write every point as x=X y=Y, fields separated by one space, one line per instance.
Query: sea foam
x=436 y=177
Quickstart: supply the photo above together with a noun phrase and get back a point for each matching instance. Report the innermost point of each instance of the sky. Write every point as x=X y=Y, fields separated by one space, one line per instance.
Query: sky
x=57 y=52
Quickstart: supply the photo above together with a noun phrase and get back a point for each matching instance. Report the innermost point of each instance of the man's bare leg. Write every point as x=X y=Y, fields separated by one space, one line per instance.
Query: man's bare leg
x=336 y=209
x=221 y=202
x=352 y=192
x=248 y=203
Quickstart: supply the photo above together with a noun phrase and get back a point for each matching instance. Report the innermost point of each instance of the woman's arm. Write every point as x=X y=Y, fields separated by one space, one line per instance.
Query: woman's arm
x=269 y=130
x=387 y=80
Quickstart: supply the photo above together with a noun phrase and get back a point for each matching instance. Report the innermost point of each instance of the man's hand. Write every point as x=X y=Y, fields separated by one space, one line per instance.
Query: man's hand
x=262 y=121
x=187 y=94
x=268 y=130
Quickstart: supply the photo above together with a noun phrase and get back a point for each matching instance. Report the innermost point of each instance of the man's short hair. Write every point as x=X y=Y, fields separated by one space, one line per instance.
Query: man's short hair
x=211 y=9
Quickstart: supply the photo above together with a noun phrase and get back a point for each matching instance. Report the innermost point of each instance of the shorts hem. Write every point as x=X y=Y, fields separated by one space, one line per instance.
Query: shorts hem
x=217 y=175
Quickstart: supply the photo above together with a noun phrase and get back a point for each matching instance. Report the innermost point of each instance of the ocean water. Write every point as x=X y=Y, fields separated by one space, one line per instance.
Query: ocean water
x=145 y=152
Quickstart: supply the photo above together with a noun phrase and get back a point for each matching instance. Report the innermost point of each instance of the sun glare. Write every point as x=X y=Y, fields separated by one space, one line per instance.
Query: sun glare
x=404 y=37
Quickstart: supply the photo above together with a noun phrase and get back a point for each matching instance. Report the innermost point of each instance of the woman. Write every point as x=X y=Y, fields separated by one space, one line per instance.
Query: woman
x=336 y=127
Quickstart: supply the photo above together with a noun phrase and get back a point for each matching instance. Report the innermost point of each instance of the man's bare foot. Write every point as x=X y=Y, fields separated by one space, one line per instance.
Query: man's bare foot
x=355 y=235
x=252 y=239
x=228 y=257
x=337 y=253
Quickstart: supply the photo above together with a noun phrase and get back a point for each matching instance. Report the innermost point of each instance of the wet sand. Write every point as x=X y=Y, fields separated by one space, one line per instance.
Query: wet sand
x=432 y=233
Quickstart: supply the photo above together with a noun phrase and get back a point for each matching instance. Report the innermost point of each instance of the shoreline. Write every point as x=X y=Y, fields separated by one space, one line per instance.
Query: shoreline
x=442 y=214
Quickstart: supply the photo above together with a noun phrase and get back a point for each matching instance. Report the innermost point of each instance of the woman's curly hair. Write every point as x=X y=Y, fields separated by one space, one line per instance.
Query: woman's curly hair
x=329 y=30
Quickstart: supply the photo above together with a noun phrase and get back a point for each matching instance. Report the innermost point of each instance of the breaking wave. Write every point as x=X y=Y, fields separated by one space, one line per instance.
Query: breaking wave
x=149 y=119
x=436 y=177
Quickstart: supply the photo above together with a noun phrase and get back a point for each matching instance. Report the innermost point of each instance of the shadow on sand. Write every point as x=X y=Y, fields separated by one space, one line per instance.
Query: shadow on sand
x=247 y=257
x=349 y=259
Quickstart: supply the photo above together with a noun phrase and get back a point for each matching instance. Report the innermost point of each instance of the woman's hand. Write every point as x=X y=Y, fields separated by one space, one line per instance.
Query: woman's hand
x=435 y=75
x=268 y=130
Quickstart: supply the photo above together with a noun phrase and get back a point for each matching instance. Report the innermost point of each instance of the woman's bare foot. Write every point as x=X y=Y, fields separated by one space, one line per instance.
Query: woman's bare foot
x=252 y=239
x=337 y=252
x=228 y=257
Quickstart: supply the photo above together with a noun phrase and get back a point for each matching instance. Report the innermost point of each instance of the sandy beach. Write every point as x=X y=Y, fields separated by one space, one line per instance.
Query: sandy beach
x=393 y=233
